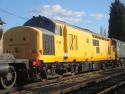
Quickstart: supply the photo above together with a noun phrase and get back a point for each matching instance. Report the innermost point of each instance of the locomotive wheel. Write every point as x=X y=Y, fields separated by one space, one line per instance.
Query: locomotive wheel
x=9 y=79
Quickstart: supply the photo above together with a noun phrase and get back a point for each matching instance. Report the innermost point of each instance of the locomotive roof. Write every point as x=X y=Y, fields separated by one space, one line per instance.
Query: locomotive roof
x=44 y=31
x=39 y=21
x=82 y=29
x=118 y=40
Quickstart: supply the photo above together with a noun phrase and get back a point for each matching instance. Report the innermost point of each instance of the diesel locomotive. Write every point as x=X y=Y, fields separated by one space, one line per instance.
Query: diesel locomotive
x=45 y=48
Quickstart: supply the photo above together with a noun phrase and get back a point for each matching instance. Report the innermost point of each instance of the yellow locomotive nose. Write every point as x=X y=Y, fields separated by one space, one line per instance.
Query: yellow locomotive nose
x=22 y=42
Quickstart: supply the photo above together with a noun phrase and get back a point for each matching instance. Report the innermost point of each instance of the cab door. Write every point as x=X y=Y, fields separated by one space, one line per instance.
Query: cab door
x=65 y=43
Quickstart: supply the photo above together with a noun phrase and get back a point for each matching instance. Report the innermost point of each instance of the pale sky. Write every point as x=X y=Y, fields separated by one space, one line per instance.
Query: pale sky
x=90 y=14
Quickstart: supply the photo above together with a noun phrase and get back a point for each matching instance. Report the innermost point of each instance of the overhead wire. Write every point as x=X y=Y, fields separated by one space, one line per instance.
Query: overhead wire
x=10 y=13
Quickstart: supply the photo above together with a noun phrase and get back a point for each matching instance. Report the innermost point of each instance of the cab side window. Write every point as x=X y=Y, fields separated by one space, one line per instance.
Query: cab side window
x=58 y=30
x=61 y=31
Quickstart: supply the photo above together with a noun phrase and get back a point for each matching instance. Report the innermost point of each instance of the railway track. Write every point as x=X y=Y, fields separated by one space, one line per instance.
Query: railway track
x=111 y=85
x=38 y=84
x=67 y=84
x=118 y=88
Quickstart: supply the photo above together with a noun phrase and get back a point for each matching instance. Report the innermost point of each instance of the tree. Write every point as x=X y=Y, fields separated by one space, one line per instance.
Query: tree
x=117 y=21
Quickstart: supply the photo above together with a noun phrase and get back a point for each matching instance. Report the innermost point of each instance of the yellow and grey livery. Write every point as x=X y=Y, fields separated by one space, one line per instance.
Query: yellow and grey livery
x=67 y=43
x=54 y=47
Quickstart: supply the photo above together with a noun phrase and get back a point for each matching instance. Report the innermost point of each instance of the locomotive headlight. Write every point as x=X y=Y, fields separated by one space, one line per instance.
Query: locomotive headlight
x=36 y=63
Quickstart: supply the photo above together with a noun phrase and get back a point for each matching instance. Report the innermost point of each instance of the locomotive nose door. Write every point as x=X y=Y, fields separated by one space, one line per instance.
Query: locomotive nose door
x=21 y=44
